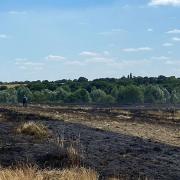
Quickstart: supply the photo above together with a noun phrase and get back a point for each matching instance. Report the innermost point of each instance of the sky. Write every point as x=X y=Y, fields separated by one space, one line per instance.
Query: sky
x=51 y=40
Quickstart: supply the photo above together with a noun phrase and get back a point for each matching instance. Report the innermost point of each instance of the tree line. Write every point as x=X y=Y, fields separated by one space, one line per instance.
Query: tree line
x=125 y=90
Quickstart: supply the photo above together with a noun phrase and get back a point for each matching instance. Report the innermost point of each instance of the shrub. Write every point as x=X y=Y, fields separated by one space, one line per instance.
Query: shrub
x=80 y=96
x=99 y=96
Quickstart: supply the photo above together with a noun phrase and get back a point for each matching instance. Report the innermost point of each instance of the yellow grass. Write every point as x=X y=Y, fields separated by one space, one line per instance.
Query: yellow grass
x=33 y=129
x=73 y=151
x=32 y=173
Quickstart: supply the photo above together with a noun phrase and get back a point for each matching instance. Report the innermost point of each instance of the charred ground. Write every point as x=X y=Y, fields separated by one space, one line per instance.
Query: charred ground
x=128 y=144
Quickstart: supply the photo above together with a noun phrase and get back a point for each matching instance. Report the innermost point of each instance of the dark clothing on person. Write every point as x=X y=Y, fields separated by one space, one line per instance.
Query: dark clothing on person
x=24 y=101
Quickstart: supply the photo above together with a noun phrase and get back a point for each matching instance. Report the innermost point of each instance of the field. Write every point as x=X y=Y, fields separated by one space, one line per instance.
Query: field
x=115 y=143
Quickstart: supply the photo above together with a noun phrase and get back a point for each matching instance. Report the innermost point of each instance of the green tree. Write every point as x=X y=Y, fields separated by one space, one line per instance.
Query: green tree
x=79 y=96
x=133 y=94
x=99 y=96
x=4 y=96
x=62 y=94
x=115 y=92
x=21 y=91
x=154 y=94
x=12 y=99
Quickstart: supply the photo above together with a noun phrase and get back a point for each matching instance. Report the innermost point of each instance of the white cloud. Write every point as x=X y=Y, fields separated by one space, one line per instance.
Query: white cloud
x=25 y=64
x=150 y=30
x=23 y=67
x=118 y=30
x=173 y=31
x=172 y=62
x=164 y=2
x=106 y=53
x=17 y=12
x=29 y=63
x=83 y=23
x=55 y=58
x=112 y=31
x=137 y=49
x=176 y=39
x=3 y=36
x=170 y=52
x=104 y=60
x=89 y=54
x=167 y=44
x=77 y=63
x=94 y=57
x=129 y=63
x=20 y=60
x=160 y=58
x=126 y=6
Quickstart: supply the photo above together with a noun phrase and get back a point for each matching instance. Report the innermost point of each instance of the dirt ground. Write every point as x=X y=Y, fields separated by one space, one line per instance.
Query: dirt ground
x=133 y=144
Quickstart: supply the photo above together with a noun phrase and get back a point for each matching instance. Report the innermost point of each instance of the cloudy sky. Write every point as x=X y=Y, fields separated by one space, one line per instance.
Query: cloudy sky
x=45 y=39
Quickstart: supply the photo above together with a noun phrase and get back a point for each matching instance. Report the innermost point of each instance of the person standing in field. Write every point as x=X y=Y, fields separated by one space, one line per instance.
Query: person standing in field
x=25 y=101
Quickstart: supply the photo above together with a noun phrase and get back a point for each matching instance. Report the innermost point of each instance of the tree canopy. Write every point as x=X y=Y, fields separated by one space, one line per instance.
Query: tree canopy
x=124 y=90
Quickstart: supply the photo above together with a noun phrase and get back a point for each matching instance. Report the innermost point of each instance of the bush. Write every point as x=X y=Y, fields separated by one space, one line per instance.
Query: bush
x=79 y=96
x=99 y=96
x=61 y=94
x=21 y=91
x=3 y=88
x=154 y=94
x=133 y=94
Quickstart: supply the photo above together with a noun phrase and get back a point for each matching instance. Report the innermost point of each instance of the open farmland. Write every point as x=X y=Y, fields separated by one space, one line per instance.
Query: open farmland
x=125 y=144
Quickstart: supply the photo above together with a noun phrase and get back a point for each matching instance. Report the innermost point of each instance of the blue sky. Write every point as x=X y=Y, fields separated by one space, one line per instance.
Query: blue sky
x=45 y=39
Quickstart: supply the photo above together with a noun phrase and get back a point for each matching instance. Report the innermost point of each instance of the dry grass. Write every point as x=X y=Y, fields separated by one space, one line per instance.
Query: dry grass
x=31 y=128
x=32 y=173
x=12 y=85
x=74 y=155
x=70 y=148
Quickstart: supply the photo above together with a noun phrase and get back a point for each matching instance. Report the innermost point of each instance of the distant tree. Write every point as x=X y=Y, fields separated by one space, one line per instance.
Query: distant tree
x=4 y=96
x=21 y=91
x=48 y=95
x=82 y=79
x=79 y=96
x=115 y=92
x=12 y=99
x=130 y=76
x=124 y=90
x=161 y=79
x=167 y=95
x=38 y=97
x=62 y=94
x=154 y=94
x=3 y=88
x=133 y=94
x=121 y=97
x=65 y=87
x=104 y=85
x=36 y=86
x=74 y=86
x=108 y=99
x=99 y=96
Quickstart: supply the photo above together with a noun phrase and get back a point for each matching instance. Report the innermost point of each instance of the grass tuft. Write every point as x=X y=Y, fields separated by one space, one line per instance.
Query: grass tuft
x=31 y=128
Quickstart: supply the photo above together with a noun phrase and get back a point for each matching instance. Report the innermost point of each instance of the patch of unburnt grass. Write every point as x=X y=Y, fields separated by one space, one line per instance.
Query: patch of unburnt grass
x=35 y=129
x=33 y=173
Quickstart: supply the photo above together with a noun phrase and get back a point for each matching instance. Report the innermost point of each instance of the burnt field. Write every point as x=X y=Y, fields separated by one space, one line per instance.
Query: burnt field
x=115 y=142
